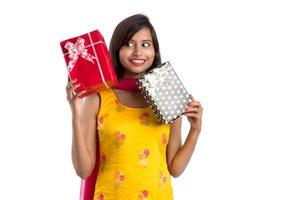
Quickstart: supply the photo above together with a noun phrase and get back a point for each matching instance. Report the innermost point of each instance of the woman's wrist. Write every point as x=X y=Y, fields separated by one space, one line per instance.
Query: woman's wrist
x=76 y=117
x=195 y=130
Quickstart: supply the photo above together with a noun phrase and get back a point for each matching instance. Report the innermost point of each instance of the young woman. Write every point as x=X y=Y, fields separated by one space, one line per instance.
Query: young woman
x=137 y=155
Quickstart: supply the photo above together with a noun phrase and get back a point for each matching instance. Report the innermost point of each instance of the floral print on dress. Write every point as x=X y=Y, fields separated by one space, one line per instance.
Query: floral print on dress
x=100 y=127
x=143 y=195
x=119 y=106
x=143 y=157
x=143 y=148
x=100 y=123
x=101 y=197
x=119 y=179
x=102 y=162
x=119 y=138
x=162 y=178
x=163 y=142
x=164 y=139
x=144 y=118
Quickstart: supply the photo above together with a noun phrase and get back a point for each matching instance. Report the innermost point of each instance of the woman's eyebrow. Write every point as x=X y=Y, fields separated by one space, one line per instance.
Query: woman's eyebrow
x=146 y=40
x=149 y=40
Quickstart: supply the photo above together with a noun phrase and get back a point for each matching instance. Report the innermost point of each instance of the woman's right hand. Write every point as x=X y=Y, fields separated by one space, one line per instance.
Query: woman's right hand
x=75 y=99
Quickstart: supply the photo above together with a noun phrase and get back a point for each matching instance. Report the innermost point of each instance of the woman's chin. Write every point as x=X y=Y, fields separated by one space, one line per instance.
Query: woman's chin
x=138 y=69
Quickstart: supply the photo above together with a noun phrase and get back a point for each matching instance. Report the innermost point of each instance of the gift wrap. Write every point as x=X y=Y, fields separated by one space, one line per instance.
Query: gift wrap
x=88 y=62
x=164 y=92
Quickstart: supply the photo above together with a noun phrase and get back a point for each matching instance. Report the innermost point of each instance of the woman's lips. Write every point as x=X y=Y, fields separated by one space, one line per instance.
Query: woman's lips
x=137 y=62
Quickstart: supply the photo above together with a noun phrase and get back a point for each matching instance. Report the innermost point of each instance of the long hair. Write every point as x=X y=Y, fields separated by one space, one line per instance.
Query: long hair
x=124 y=32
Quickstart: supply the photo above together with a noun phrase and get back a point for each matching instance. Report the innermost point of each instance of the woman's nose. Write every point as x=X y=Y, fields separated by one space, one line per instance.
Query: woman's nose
x=137 y=50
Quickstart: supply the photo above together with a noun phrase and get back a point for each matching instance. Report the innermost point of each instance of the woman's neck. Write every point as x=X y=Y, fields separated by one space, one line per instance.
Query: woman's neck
x=128 y=84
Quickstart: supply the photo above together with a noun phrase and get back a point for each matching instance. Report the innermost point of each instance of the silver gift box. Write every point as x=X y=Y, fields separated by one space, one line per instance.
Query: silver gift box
x=164 y=92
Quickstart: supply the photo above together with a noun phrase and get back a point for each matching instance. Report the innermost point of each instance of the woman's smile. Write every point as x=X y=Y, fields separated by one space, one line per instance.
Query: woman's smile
x=137 y=62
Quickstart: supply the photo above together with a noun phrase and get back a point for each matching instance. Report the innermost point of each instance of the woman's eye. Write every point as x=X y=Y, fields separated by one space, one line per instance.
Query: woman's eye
x=146 y=44
x=129 y=44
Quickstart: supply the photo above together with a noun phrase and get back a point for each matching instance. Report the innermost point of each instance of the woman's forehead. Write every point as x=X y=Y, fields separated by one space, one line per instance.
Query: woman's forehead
x=143 y=34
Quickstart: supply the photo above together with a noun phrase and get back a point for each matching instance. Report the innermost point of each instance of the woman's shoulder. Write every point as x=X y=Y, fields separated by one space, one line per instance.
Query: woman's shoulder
x=92 y=102
x=94 y=97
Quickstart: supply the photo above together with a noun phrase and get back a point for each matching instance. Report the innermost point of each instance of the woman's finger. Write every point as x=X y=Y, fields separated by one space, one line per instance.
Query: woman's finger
x=81 y=93
x=194 y=104
x=191 y=96
x=69 y=96
x=69 y=85
x=192 y=110
x=194 y=115
x=71 y=88
x=76 y=86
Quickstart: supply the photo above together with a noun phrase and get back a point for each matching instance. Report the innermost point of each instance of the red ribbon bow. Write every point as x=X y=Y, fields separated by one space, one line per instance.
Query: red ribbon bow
x=76 y=50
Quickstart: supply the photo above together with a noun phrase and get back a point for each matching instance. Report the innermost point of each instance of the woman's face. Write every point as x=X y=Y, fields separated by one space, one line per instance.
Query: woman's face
x=138 y=54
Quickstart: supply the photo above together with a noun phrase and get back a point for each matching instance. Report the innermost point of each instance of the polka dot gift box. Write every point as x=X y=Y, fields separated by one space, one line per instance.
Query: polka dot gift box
x=164 y=91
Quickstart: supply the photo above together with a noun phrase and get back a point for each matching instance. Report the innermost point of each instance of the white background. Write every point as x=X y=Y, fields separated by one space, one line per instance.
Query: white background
x=239 y=58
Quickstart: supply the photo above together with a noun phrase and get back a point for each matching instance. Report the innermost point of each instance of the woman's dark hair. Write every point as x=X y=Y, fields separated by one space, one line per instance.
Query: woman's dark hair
x=123 y=33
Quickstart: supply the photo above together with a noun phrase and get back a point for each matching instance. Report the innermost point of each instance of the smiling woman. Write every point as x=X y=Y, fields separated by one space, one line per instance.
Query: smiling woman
x=136 y=39
x=138 y=54
x=137 y=155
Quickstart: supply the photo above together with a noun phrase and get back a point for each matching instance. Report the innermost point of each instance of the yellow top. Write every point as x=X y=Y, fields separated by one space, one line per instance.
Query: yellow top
x=132 y=153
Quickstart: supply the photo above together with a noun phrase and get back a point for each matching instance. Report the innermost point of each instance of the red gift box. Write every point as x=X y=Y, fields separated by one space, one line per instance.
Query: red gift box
x=89 y=63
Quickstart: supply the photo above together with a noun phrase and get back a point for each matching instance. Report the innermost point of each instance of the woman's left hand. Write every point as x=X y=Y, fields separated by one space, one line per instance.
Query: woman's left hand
x=194 y=114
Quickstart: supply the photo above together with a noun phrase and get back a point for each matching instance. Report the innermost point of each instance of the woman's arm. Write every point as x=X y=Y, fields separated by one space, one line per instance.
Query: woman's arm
x=178 y=155
x=84 y=137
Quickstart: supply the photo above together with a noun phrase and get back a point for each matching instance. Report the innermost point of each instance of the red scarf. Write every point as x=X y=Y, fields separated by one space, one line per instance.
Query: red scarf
x=128 y=84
